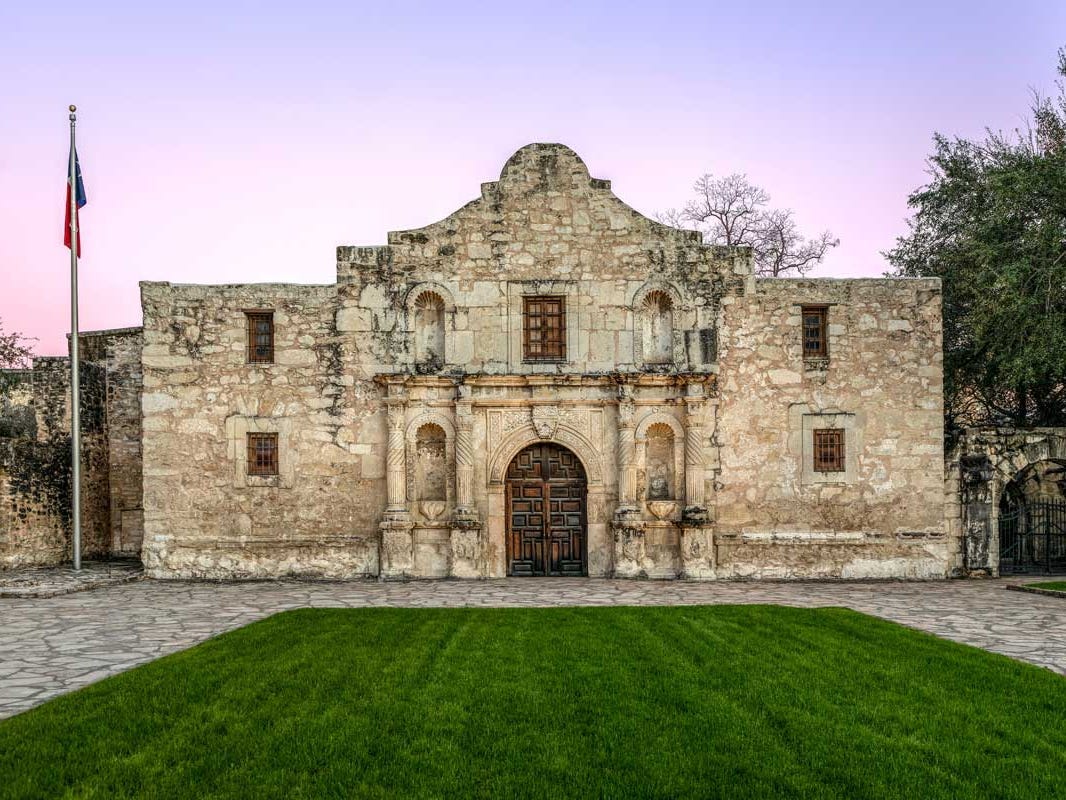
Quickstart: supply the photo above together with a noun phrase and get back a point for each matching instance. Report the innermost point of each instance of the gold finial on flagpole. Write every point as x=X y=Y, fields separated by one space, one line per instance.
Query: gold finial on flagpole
x=73 y=109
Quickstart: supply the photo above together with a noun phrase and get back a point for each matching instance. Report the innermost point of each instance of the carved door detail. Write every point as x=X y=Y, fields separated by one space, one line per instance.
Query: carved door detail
x=546 y=498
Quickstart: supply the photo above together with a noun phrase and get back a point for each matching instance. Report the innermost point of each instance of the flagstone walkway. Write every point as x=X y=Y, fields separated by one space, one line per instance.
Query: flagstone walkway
x=53 y=645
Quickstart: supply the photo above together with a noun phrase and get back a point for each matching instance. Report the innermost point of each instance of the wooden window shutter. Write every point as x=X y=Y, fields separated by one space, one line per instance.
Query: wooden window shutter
x=544 y=328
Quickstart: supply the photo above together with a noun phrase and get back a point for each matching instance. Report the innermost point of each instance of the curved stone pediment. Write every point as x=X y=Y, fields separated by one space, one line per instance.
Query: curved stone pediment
x=546 y=217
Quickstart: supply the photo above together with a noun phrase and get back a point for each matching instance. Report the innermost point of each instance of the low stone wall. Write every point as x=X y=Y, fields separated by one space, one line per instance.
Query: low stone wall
x=833 y=555
x=35 y=448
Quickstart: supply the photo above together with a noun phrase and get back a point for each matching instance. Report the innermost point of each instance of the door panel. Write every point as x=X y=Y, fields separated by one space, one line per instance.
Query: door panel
x=546 y=492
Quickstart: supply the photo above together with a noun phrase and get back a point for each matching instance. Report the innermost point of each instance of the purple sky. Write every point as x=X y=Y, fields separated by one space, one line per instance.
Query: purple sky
x=245 y=144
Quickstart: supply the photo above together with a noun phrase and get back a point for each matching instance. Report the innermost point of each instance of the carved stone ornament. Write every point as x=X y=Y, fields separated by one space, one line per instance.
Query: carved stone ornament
x=663 y=509
x=431 y=509
x=545 y=420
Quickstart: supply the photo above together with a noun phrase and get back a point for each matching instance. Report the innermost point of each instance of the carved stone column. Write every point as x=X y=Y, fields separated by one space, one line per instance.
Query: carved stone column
x=627 y=462
x=695 y=508
x=975 y=479
x=697 y=534
x=396 y=457
x=466 y=545
x=397 y=547
x=627 y=525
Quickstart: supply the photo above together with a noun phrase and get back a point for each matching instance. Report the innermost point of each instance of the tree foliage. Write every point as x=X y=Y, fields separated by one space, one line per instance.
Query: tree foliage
x=15 y=353
x=991 y=223
x=732 y=211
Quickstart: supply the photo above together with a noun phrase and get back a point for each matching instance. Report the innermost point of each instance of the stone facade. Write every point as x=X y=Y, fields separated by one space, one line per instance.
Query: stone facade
x=35 y=475
x=402 y=396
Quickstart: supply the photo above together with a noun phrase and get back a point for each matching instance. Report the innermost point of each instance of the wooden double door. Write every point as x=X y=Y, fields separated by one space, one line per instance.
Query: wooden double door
x=546 y=509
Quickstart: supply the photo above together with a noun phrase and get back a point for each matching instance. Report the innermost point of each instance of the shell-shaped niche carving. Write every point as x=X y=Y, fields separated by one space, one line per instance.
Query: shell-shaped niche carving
x=657 y=320
x=429 y=332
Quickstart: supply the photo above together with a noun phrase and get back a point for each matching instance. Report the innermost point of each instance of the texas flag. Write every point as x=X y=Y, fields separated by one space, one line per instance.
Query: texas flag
x=79 y=193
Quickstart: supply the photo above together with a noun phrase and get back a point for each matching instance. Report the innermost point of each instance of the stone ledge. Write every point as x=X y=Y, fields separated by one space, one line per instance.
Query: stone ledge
x=1034 y=590
x=42 y=582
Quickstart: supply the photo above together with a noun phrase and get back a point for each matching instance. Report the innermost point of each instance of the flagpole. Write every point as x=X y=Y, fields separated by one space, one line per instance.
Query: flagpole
x=75 y=393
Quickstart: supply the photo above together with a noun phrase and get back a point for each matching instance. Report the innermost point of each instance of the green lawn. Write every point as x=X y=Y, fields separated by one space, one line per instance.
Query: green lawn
x=1056 y=586
x=725 y=701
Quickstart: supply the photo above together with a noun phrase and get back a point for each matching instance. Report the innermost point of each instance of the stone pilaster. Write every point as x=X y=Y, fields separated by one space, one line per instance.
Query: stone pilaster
x=627 y=525
x=397 y=545
x=627 y=462
x=466 y=546
x=465 y=511
x=695 y=505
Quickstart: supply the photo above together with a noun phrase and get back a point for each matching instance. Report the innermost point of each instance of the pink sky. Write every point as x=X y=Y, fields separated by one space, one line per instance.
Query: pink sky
x=245 y=144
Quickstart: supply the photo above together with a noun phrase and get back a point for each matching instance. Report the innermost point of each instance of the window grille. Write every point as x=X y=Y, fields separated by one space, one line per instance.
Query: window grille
x=829 y=450
x=815 y=340
x=260 y=337
x=262 y=454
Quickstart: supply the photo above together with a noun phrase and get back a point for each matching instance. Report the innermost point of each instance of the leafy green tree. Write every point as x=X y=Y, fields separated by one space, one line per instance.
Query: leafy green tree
x=15 y=353
x=991 y=223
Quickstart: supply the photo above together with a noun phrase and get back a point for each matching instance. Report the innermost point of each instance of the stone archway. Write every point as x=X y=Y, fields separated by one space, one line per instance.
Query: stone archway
x=546 y=513
x=1031 y=520
x=982 y=470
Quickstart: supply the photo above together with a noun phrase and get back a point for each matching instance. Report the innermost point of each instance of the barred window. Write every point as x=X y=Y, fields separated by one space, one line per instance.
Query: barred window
x=829 y=450
x=544 y=328
x=815 y=341
x=260 y=337
x=262 y=454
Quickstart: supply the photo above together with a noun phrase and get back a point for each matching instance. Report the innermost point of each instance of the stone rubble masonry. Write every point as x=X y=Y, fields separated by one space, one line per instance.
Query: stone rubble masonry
x=35 y=486
x=352 y=391
x=883 y=384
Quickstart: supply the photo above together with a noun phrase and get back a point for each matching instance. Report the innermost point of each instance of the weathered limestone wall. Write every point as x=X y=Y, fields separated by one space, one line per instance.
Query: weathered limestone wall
x=203 y=515
x=35 y=485
x=545 y=228
x=400 y=395
x=118 y=352
x=882 y=383
x=31 y=525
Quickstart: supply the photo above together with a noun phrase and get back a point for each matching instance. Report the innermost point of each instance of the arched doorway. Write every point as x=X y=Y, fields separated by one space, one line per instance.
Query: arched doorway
x=1032 y=519
x=546 y=513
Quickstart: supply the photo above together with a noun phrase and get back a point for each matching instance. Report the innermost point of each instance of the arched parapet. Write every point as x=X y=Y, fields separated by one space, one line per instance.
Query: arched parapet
x=524 y=435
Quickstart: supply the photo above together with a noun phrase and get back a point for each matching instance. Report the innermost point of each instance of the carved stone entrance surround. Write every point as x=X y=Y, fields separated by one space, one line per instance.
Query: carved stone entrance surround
x=602 y=420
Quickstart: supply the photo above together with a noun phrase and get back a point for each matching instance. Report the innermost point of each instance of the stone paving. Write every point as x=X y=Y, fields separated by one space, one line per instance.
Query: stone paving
x=49 y=646
x=54 y=581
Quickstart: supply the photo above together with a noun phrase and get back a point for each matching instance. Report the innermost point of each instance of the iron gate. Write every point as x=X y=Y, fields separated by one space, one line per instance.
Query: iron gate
x=1032 y=537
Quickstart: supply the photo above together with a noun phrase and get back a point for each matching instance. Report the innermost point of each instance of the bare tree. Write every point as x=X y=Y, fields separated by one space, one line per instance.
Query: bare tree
x=732 y=211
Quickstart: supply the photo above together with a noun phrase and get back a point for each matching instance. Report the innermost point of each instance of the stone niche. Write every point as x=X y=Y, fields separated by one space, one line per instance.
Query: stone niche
x=430 y=491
